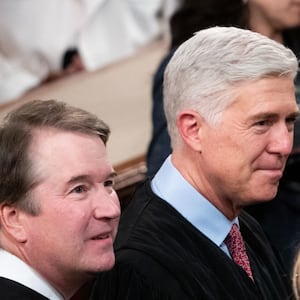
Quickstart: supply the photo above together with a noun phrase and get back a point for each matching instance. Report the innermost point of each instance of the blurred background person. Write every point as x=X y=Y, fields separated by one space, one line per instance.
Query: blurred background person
x=42 y=40
x=279 y=20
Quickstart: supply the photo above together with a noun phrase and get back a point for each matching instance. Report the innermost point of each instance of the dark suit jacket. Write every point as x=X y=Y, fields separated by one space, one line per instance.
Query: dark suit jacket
x=161 y=256
x=12 y=290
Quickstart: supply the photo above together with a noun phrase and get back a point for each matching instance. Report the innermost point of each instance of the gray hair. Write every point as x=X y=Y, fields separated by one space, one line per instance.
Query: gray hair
x=204 y=70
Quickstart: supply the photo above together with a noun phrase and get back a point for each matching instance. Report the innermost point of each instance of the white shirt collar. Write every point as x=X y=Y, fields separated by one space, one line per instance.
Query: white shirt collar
x=15 y=269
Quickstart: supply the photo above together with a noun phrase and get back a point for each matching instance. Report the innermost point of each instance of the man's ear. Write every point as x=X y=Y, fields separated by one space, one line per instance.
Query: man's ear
x=189 y=124
x=11 y=221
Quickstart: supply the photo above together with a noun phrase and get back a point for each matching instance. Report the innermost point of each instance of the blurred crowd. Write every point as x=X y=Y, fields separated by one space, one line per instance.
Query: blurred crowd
x=42 y=40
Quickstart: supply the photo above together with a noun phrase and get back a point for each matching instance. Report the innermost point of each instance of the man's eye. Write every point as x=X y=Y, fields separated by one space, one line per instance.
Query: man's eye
x=78 y=189
x=291 y=123
x=109 y=183
x=291 y=120
x=263 y=123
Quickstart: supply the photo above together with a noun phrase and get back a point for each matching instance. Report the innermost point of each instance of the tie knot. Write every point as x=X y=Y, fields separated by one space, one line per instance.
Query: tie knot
x=236 y=246
x=234 y=237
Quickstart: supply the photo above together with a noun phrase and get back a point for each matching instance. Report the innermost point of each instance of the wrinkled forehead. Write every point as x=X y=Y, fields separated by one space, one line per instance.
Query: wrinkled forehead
x=270 y=94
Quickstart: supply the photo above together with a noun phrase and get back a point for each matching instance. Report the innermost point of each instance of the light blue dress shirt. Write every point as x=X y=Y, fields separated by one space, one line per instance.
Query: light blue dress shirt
x=171 y=186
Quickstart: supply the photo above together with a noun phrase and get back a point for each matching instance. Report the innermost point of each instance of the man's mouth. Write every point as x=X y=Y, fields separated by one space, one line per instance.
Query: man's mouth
x=101 y=237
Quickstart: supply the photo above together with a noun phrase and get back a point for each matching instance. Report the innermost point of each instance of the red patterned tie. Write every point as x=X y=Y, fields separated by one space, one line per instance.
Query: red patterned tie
x=235 y=244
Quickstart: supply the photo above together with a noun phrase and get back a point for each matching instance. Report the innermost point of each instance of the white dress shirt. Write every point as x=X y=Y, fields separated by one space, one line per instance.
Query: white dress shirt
x=17 y=270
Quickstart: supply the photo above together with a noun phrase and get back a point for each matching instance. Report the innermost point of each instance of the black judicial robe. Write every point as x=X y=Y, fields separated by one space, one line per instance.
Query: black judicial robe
x=160 y=255
x=12 y=290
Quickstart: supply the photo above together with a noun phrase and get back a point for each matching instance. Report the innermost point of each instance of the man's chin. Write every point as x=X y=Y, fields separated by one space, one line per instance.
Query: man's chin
x=264 y=198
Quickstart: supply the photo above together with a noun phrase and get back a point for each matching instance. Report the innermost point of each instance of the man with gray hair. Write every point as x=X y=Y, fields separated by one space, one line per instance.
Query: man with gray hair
x=231 y=108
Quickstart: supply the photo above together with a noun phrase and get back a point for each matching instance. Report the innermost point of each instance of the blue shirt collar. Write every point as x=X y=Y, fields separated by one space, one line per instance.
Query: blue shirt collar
x=172 y=187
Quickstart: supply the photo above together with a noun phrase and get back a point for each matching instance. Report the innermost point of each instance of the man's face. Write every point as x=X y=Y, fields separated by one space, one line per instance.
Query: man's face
x=244 y=155
x=281 y=14
x=74 y=232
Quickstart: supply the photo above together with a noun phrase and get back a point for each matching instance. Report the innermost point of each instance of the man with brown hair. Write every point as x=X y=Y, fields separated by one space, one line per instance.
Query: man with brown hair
x=59 y=212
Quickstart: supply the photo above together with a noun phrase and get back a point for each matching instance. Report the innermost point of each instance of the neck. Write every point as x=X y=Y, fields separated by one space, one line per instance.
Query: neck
x=66 y=283
x=190 y=168
x=68 y=288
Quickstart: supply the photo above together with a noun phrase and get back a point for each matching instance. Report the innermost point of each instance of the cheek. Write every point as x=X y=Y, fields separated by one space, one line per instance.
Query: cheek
x=227 y=149
x=238 y=159
x=65 y=220
x=73 y=221
x=42 y=232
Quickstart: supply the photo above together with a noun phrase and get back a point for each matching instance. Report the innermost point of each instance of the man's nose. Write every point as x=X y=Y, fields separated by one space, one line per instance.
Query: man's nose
x=281 y=141
x=107 y=205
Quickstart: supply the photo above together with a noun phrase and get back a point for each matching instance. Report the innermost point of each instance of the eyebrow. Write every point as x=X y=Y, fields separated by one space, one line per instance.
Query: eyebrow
x=87 y=178
x=295 y=115
x=267 y=115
